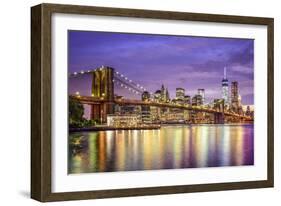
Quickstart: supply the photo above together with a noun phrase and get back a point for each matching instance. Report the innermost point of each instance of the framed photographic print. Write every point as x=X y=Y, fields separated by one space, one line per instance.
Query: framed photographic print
x=130 y=102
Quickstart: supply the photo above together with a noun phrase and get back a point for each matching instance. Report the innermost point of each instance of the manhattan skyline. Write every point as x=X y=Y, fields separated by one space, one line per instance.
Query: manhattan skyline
x=175 y=61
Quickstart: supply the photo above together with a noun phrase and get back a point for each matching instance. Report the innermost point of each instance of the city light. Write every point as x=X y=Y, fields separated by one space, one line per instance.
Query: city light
x=182 y=108
x=179 y=109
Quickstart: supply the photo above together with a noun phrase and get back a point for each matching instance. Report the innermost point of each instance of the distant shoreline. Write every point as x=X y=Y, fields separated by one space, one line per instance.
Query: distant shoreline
x=105 y=128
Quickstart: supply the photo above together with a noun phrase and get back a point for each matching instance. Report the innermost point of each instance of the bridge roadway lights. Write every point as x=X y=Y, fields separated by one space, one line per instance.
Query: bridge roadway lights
x=100 y=103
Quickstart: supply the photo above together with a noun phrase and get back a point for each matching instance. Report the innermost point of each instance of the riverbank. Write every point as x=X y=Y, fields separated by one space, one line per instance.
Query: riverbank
x=105 y=128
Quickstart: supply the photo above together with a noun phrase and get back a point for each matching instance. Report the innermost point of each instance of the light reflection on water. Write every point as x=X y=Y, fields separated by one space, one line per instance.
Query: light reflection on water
x=170 y=147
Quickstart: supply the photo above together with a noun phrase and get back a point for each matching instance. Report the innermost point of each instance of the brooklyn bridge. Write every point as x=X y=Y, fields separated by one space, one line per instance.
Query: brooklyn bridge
x=104 y=102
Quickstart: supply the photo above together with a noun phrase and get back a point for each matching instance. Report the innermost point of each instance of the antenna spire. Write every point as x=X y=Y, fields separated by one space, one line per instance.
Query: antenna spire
x=224 y=72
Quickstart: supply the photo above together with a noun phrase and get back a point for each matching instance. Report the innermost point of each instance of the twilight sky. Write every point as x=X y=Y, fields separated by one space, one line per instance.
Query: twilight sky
x=153 y=60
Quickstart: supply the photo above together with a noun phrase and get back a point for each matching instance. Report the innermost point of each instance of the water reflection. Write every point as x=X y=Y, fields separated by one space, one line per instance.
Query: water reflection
x=167 y=148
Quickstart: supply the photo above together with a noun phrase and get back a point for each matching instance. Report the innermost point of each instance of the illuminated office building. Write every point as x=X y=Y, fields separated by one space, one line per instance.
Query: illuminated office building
x=165 y=97
x=145 y=110
x=145 y=96
x=197 y=100
x=180 y=93
x=201 y=92
x=157 y=96
x=234 y=94
x=128 y=120
x=187 y=100
x=155 y=113
x=225 y=92
x=239 y=101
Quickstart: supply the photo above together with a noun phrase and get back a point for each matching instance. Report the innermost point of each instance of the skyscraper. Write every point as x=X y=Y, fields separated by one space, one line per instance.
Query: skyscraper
x=234 y=95
x=197 y=100
x=239 y=101
x=225 y=93
x=145 y=96
x=187 y=100
x=201 y=92
x=145 y=110
x=180 y=92
x=157 y=96
x=167 y=95
x=164 y=94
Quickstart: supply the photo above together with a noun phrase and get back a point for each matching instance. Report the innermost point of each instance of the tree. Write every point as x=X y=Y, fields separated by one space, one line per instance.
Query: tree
x=75 y=112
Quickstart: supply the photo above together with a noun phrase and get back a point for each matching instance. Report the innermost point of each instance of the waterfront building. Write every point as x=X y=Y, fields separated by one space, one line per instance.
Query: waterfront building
x=175 y=116
x=127 y=120
x=145 y=110
x=186 y=115
x=146 y=114
x=155 y=113
x=225 y=92
x=202 y=93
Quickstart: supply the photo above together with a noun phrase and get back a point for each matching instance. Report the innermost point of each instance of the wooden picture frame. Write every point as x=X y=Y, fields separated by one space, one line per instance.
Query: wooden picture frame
x=41 y=116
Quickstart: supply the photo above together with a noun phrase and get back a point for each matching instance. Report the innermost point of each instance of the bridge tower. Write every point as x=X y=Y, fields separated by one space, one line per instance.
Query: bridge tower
x=218 y=118
x=102 y=88
x=219 y=115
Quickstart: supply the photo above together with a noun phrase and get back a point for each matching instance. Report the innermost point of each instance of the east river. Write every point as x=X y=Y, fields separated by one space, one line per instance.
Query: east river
x=171 y=147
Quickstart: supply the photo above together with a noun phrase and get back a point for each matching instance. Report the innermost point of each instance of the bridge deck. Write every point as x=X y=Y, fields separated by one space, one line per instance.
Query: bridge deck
x=92 y=100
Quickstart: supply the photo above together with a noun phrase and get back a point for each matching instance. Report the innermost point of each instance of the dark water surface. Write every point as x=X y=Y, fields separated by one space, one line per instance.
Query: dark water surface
x=177 y=146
